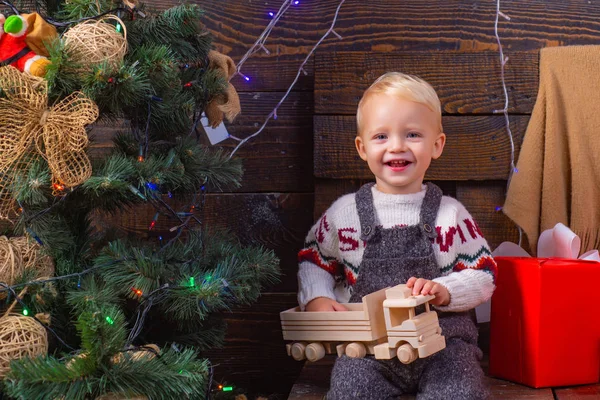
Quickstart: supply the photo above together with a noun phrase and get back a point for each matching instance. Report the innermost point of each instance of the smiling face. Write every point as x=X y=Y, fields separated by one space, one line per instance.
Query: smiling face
x=398 y=138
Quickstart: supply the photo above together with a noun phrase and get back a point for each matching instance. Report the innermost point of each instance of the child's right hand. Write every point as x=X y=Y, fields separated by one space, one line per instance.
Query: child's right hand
x=324 y=304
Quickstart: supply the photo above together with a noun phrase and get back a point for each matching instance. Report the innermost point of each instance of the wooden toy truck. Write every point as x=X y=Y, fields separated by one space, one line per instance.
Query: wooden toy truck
x=384 y=324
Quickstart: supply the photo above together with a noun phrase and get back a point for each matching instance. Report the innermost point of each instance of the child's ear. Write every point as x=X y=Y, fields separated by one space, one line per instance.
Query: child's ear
x=360 y=147
x=438 y=146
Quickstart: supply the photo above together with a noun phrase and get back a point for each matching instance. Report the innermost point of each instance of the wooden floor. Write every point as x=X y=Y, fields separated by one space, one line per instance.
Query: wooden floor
x=314 y=381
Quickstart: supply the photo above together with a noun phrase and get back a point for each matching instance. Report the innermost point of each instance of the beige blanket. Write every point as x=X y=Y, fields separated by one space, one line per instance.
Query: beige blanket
x=558 y=178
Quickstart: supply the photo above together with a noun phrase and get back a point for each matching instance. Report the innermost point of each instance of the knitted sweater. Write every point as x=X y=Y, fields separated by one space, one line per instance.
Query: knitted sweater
x=329 y=263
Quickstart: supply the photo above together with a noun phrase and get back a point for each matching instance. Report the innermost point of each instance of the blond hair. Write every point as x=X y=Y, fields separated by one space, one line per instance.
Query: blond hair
x=404 y=86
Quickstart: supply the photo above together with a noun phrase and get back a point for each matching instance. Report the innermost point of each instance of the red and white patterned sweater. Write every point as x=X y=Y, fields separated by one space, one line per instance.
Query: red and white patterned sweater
x=330 y=261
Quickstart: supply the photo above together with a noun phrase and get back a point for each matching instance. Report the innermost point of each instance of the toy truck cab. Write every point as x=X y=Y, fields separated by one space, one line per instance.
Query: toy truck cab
x=410 y=334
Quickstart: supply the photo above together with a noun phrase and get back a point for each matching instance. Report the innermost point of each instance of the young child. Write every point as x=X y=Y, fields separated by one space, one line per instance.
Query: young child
x=400 y=230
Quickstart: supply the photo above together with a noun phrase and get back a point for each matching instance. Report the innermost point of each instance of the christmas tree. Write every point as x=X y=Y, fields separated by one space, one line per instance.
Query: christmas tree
x=82 y=304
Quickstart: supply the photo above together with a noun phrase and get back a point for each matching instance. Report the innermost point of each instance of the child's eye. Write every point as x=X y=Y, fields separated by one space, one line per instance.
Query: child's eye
x=380 y=136
x=413 y=135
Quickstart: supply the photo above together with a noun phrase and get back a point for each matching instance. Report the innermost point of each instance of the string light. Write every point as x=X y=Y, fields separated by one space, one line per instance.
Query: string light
x=192 y=283
x=25 y=312
x=137 y=192
x=141 y=154
x=153 y=223
x=109 y=320
x=503 y=61
x=137 y=291
x=260 y=43
x=33 y=235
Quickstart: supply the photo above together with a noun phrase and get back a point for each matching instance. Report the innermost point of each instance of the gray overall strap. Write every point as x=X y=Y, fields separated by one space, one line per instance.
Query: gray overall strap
x=366 y=211
x=429 y=210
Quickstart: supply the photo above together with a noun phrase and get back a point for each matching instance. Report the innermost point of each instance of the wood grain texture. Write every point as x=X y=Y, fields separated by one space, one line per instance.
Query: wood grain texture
x=277 y=160
x=466 y=82
x=477 y=148
x=591 y=392
x=387 y=26
x=481 y=200
x=254 y=356
x=277 y=221
x=280 y=157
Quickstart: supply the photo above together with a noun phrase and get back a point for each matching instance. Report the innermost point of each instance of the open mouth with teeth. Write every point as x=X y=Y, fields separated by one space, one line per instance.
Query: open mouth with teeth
x=398 y=163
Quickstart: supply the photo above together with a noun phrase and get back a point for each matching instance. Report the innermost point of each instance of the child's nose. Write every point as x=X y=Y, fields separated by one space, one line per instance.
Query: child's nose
x=396 y=145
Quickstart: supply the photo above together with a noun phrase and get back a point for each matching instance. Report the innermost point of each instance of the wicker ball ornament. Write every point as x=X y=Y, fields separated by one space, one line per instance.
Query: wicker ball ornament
x=19 y=254
x=96 y=41
x=20 y=336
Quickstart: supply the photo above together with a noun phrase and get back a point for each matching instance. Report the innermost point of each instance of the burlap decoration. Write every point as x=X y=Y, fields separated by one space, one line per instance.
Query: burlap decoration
x=137 y=355
x=20 y=336
x=96 y=41
x=19 y=254
x=28 y=124
x=229 y=103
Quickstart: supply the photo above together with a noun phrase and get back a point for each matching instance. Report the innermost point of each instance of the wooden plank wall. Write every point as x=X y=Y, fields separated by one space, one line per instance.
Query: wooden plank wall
x=450 y=42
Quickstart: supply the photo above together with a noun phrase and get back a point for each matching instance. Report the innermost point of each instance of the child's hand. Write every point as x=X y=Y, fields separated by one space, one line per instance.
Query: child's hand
x=324 y=304
x=425 y=287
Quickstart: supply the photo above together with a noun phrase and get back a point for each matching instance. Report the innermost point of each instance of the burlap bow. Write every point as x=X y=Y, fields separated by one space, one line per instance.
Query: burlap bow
x=28 y=126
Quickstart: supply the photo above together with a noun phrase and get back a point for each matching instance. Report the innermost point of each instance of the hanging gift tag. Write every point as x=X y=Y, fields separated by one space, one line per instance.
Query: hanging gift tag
x=215 y=135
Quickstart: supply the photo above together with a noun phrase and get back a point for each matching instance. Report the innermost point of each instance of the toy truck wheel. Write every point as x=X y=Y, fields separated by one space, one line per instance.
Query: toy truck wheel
x=356 y=350
x=298 y=351
x=314 y=352
x=406 y=354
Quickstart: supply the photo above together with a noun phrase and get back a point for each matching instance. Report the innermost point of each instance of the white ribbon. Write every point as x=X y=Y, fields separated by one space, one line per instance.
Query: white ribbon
x=558 y=242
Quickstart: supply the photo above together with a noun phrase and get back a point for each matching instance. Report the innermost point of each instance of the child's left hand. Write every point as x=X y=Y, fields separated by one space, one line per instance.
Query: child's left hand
x=425 y=287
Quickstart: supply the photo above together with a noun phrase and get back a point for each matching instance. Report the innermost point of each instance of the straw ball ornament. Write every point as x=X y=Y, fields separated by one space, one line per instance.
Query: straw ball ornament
x=20 y=336
x=19 y=254
x=96 y=41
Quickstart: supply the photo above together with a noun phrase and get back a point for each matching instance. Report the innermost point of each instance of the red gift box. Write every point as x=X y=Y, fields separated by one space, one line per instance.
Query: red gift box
x=545 y=323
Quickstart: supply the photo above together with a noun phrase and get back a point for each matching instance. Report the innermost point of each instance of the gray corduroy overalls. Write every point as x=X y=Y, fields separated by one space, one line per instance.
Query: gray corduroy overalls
x=391 y=257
